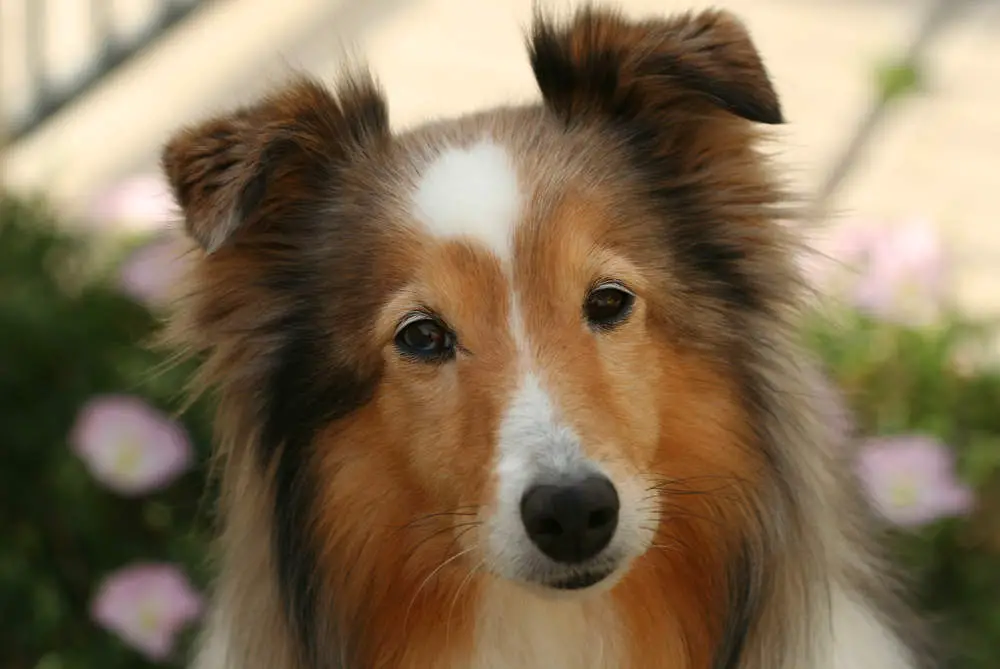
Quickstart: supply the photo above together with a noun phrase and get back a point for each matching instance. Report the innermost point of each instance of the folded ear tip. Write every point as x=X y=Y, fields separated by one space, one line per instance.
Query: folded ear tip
x=708 y=53
x=763 y=107
x=771 y=116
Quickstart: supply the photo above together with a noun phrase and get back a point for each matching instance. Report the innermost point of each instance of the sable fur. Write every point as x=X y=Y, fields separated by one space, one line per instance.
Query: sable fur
x=293 y=203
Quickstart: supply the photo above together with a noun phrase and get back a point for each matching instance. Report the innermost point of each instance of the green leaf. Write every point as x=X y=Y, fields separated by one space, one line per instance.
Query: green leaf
x=896 y=79
x=980 y=462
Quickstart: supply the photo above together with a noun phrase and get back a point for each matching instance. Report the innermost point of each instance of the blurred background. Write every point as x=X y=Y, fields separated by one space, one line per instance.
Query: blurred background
x=893 y=138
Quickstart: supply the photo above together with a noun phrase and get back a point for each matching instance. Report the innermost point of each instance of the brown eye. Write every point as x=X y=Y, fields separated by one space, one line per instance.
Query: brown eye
x=426 y=339
x=607 y=306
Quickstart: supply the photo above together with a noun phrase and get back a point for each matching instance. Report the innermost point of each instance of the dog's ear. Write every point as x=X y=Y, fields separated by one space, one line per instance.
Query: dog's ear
x=222 y=170
x=601 y=62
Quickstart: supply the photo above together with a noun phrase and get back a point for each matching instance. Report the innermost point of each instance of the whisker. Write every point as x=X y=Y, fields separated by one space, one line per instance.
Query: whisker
x=667 y=548
x=680 y=545
x=454 y=600
x=427 y=579
x=459 y=511
x=702 y=477
x=680 y=491
x=462 y=527
x=684 y=485
x=677 y=513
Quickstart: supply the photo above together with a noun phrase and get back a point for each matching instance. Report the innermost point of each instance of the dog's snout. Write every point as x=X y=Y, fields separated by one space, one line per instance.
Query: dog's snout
x=571 y=522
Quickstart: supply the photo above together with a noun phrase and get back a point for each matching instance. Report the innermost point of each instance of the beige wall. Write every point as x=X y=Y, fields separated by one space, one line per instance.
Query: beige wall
x=936 y=157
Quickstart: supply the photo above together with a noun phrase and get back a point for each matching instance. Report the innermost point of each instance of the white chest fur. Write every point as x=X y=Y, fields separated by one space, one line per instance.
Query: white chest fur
x=518 y=630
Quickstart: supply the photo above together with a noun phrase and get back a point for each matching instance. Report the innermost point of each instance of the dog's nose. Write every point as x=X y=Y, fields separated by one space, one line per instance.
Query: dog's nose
x=571 y=522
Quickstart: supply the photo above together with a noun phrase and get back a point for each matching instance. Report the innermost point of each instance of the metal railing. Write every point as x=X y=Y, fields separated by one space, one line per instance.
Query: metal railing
x=937 y=17
x=99 y=25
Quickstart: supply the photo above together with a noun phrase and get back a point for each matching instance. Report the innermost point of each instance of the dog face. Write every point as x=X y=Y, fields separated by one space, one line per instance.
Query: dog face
x=507 y=346
x=532 y=372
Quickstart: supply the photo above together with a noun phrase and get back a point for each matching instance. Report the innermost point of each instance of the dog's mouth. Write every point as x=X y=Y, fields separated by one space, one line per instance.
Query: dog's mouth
x=579 y=581
x=576 y=580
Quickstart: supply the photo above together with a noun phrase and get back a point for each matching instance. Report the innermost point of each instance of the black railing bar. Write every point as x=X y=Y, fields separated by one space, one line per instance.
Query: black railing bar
x=934 y=22
x=102 y=26
x=52 y=102
x=35 y=49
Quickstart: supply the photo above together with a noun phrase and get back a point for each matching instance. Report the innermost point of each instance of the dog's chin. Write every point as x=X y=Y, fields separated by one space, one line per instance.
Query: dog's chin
x=576 y=584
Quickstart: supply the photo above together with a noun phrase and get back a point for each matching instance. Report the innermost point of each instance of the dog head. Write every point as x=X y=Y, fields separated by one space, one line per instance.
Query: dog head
x=514 y=345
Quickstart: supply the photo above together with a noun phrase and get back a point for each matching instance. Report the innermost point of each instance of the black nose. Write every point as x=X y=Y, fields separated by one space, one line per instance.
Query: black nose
x=574 y=522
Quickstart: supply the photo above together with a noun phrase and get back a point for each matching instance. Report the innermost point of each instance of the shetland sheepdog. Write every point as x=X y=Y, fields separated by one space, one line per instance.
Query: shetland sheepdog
x=521 y=389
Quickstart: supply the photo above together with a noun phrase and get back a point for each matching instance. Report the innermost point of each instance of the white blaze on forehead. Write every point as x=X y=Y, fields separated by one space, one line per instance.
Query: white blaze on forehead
x=470 y=192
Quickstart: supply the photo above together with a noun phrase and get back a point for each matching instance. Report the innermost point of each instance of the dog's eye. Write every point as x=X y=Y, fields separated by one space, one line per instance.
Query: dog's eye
x=426 y=339
x=607 y=306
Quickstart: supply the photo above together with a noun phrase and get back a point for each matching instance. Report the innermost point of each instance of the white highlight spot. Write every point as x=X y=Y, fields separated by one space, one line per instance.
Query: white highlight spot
x=471 y=192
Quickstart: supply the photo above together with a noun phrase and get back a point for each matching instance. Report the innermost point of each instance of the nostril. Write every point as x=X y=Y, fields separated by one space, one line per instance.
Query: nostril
x=600 y=518
x=549 y=526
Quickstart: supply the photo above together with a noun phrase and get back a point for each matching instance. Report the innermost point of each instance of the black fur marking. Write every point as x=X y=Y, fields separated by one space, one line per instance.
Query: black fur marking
x=717 y=264
x=723 y=94
x=698 y=240
x=299 y=404
x=597 y=82
x=272 y=172
x=751 y=573
x=555 y=73
x=369 y=115
x=745 y=589
x=305 y=391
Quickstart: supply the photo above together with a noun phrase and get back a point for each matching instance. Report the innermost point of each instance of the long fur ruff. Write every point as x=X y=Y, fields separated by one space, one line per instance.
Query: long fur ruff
x=359 y=487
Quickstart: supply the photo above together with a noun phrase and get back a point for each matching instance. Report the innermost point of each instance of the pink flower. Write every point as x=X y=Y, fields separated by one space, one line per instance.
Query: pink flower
x=911 y=480
x=146 y=605
x=153 y=271
x=895 y=272
x=906 y=275
x=129 y=446
x=143 y=201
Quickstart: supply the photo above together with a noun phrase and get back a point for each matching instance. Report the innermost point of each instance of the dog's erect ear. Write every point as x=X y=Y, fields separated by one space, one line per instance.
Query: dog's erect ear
x=222 y=170
x=599 y=61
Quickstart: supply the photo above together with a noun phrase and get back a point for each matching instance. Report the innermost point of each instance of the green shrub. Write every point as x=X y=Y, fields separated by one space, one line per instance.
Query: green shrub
x=68 y=336
x=910 y=385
